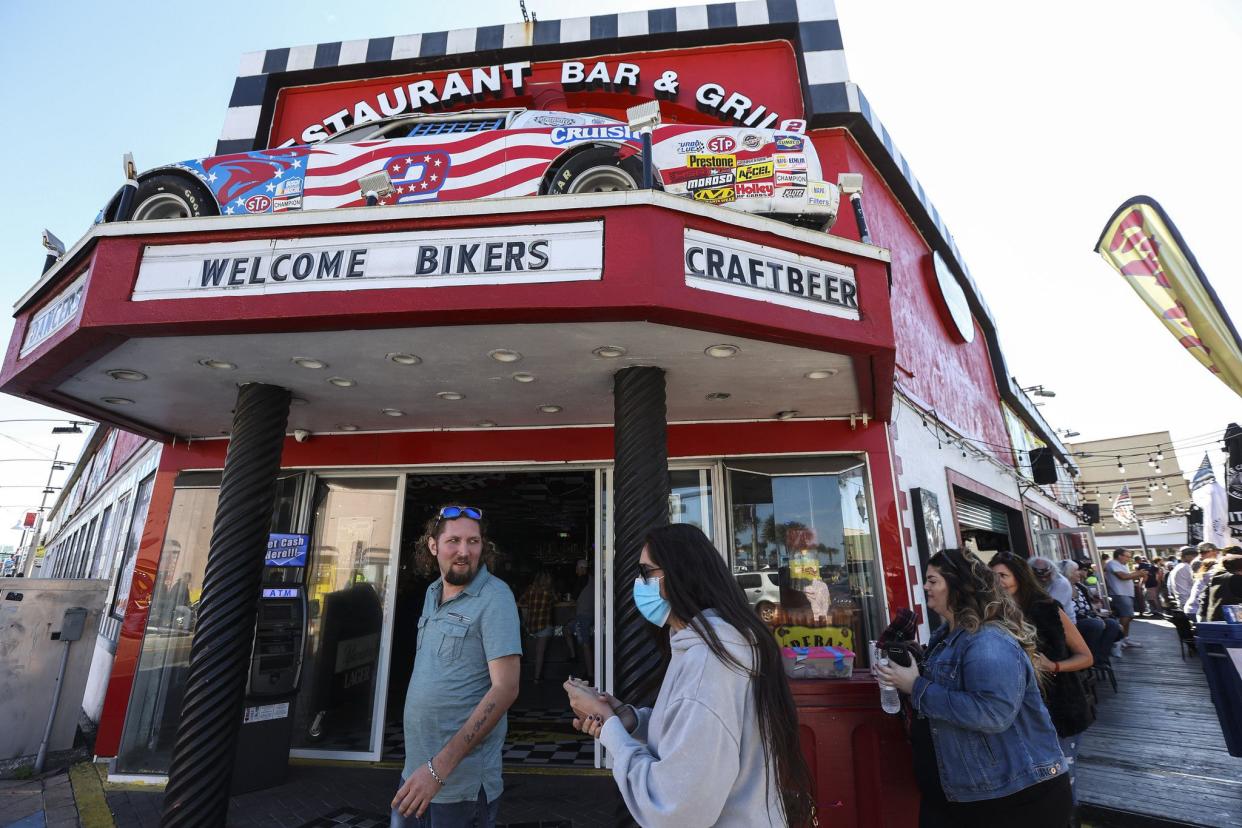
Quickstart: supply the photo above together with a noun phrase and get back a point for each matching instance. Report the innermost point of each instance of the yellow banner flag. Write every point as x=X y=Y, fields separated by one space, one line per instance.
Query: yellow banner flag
x=1143 y=245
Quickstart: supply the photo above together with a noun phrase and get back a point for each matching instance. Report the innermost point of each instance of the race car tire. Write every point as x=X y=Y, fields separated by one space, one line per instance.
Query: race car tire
x=169 y=196
x=596 y=170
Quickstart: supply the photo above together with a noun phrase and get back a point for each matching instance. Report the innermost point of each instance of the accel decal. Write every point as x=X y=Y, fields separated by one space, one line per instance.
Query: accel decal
x=754 y=172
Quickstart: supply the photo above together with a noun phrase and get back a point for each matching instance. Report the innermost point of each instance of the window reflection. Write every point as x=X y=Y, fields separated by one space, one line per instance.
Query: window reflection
x=348 y=581
x=803 y=554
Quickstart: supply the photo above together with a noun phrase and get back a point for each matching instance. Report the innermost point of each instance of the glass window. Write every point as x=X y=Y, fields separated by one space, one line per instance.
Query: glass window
x=808 y=537
x=347 y=589
x=138 y=519
x=155 y=702
x=690 y=498
x=101 y=557
x=86 y=555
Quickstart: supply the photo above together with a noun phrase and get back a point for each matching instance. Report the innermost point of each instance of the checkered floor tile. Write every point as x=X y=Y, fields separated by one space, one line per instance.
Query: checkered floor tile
x=347 y=816
x=537 y=736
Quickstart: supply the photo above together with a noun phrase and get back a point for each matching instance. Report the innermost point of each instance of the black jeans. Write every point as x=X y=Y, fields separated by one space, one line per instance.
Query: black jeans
x=1045 y=805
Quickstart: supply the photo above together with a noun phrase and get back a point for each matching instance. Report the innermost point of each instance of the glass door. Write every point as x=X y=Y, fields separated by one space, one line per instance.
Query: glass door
x=351 y=591
x=1073 y=543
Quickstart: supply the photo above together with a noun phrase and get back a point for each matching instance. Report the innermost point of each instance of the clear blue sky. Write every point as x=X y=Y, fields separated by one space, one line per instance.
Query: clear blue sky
x=1027 y=125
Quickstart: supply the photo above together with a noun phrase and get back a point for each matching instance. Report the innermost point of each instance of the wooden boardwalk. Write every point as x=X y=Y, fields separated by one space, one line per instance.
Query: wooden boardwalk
x=1156 y=749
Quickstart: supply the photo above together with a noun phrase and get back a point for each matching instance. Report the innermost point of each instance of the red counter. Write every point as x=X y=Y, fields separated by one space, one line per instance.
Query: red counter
x=858 y=755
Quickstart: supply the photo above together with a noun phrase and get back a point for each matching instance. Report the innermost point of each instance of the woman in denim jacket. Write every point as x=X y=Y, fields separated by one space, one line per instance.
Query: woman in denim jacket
x=978 y=694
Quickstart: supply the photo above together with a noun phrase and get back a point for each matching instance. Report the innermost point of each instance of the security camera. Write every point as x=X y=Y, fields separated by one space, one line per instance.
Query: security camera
x=301 y=435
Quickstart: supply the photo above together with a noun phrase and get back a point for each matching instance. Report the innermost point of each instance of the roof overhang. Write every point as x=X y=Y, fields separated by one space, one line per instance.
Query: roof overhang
x=641 y=295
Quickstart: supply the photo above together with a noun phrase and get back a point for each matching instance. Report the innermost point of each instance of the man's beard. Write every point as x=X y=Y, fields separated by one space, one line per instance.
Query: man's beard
x=456 y=578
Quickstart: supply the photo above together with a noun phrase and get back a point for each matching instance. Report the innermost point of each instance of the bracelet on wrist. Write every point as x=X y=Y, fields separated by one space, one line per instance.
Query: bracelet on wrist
x=434 y=775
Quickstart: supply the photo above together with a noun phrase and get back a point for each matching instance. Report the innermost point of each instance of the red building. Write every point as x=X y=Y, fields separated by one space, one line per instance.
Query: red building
x=834 y=447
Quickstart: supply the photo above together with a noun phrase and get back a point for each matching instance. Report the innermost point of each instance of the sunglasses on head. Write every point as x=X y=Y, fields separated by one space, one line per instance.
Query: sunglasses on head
x=454 y=512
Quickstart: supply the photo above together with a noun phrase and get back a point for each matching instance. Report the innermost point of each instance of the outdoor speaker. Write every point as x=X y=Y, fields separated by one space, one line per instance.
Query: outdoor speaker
x=1043 y=467
x=1090 y=513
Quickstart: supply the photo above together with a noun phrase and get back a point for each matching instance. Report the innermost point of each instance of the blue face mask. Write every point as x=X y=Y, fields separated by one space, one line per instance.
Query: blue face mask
x=649 y=601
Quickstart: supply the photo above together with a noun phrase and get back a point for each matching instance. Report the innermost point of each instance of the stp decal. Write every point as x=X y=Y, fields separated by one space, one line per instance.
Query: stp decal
x=721 y=143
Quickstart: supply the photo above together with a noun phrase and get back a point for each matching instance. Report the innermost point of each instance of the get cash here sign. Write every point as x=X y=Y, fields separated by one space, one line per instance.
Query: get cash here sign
x=476 y=256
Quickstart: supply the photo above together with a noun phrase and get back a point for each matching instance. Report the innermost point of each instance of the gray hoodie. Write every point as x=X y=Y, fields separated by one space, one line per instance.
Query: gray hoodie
x=696 y=758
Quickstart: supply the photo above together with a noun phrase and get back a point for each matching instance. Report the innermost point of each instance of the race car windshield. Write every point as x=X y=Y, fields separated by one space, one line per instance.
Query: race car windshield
x=414 y=128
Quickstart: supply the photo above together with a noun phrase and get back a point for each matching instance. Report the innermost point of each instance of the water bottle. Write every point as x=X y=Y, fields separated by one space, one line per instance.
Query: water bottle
x=890 y=701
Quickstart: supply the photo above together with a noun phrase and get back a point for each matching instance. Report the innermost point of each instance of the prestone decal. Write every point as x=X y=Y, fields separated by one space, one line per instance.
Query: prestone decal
x=485 y=256
x=754 y=271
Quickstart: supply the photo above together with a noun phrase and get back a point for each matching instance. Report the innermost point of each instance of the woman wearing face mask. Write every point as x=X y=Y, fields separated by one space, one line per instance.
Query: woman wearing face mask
x=720 y=747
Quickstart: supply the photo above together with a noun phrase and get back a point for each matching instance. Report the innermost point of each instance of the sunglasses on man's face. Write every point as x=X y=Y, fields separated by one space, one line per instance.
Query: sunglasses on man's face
x=454 y=512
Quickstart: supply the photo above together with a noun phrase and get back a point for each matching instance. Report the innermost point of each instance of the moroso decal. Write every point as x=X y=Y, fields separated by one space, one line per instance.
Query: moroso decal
x=711 y=161
x=721 y=143
x=721 y=179
x=753 y=172
x=788 y=143
x=754 y=189
x=718 y=195
x=567 y=135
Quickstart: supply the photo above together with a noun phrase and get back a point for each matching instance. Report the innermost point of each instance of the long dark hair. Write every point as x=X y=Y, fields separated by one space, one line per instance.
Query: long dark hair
x=696 y=578
x=975 y=598
x=1029 y=590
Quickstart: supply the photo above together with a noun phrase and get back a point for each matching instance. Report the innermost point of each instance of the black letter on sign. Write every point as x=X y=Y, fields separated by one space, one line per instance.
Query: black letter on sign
x=330 y=265
x=357 y=263
x=213 y=271
x=538 y=254
x=849 y=294
x=426 y=260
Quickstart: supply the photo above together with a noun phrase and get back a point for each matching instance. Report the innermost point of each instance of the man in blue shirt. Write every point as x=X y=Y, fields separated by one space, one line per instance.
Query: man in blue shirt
x=465 y=678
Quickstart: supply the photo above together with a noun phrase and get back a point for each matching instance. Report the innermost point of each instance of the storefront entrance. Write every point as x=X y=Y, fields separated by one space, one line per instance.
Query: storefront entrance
x=541 y=527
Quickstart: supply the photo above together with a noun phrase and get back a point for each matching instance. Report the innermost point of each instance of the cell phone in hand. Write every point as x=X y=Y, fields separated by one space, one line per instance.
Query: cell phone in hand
x=897 y=655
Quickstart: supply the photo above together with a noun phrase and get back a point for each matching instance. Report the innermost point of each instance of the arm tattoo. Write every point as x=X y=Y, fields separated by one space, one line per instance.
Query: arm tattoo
x=479 y=722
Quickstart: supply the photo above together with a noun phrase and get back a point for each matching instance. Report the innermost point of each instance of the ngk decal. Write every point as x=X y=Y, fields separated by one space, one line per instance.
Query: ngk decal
x=257 y=204
x=755 y=189
x=721 y=143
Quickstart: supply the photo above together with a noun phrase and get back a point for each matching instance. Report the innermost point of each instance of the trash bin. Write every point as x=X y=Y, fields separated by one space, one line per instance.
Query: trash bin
x=1220 y=648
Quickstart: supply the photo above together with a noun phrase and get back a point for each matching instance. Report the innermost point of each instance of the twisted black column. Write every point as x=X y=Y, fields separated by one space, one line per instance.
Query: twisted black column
x=202 y=764
x=640 y=502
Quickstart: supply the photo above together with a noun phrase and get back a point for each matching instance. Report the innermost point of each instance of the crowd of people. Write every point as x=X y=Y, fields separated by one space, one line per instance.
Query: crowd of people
x=995 y=703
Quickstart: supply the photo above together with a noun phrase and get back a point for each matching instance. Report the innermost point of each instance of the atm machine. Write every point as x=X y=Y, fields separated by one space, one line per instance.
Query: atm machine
x=262 y=759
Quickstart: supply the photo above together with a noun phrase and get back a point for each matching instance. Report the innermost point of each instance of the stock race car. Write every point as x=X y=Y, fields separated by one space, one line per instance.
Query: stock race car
x=496 y=153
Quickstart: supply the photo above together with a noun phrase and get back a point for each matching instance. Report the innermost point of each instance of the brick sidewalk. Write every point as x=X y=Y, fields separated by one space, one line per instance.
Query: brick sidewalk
x=316 y=796
x=42 y=802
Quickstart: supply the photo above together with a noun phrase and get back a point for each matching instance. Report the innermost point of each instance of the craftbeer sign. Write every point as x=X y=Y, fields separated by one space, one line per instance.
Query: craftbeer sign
x=55 y=315
x=483 y=256
x=754 y=271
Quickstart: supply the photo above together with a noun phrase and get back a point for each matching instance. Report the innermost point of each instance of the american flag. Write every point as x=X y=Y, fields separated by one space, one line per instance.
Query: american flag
x=1123 y=507
x=1204 y=475
x=484 y=164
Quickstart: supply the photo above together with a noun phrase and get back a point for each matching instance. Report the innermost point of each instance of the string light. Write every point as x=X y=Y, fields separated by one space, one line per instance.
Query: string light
x=1120 y=467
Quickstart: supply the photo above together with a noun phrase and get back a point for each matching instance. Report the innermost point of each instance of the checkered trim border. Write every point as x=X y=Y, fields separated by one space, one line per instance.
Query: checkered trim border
x=812 y=25
x=818 y=43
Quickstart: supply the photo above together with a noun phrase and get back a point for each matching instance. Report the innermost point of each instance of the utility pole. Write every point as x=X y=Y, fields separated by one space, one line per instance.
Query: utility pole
x=28 y=563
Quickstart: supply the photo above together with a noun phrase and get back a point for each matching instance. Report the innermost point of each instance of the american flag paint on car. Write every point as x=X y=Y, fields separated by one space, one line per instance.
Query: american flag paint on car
x=500 y=154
